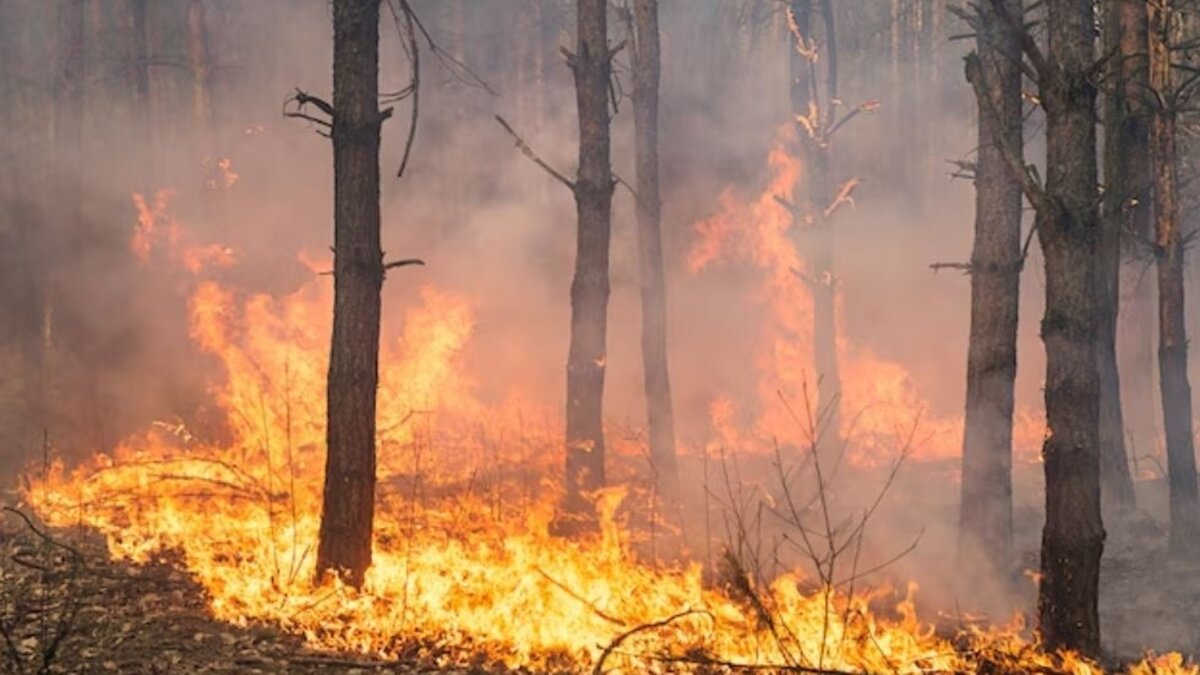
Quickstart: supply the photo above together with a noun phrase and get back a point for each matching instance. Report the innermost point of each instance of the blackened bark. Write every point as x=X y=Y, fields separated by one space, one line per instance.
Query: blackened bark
x=1121 y=198
x=1068 y=229
x=985 y=516
x=1172 y=335
x=661 y=418
x=810 y=230
x=349 y=495
x=587 y=359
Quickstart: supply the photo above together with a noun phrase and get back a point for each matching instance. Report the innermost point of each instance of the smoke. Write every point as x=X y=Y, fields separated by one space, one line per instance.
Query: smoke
x=489 y=224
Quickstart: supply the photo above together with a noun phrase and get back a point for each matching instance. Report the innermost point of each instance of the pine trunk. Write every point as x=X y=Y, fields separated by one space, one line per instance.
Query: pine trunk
x=349 y=496
x=1068 y=229
x=1172 y=335
x=587 y=358
x=646 y=73
x=1128 y=164
x=1121 y=196
x=985 y=517
x=810 y=229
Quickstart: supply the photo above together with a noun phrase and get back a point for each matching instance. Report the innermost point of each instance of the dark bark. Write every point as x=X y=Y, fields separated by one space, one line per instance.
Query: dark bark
x=1068 y=230
x=646 y=73
x=140 y=62
x=985 y=516
x=811 y=231
x=349 y=494
x=1128 y=200
x=1121 y=199
x=587 y=359
x=1172 y=335
x=199 y=61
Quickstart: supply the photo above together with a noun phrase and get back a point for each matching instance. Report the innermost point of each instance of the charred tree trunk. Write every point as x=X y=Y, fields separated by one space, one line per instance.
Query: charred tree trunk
x=985 y=518
x=587 y=359
x=1125 y=35
x=813 y=235
x=1128 y=200
x=349 y=494
x=646 y=73
x=1172 y=335
x=1068 y=230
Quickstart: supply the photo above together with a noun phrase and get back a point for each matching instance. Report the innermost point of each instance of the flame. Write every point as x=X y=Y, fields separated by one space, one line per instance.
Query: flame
x=464 y=562
x=883 y=410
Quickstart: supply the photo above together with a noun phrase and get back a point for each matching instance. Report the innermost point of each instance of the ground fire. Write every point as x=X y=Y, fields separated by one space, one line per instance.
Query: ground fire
x=250 y=436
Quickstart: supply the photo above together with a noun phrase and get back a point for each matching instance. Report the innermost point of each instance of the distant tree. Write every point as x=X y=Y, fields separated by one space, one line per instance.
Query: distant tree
x=349 y=495
x=985 y=512
x=646 y=74
x=1125 y=165
x=1168 y=248
x=1067 y=222
x=1128 y=202
x=814 y=108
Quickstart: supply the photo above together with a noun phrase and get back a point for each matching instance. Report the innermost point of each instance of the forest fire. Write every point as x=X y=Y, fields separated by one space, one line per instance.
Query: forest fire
x=885 y=411
x=465 y=562
x=285 y=389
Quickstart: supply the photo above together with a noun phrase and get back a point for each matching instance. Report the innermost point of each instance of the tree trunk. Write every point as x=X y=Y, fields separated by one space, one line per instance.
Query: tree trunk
x=1121 y=35
x=1172 y=335
x=985 y=516
x=1128 y=187
x=143 y=119
x=646 y=69
x=1068 y=229
x=198 y=59
x=813 y=236
x=349 y=496
x=587 y=358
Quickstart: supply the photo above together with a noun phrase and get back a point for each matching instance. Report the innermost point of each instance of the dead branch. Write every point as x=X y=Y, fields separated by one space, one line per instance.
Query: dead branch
x=598 y=669
x=528 y=152
x=403 y=263
x=939 y=266
x=705 y=660
x=75 y=553
x=844 y=196
x=409 y=38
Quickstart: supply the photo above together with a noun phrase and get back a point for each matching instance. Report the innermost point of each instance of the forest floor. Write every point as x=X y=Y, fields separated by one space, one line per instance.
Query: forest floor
x=119 y=617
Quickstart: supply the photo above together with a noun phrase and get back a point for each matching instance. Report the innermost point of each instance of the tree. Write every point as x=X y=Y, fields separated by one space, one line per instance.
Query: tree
x=815 y=125
x=591 y=65
x=1127 y=199
x=985 y=511
x=349 y=494
x=1124 y=173
x=1067 y=222
x=646 y=71
x=1168 y=248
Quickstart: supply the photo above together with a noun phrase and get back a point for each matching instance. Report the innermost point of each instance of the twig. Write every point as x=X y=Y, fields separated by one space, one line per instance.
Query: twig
x=598 y=669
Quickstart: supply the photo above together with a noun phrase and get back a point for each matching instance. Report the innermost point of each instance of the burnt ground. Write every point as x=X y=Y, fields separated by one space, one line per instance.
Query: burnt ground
x=152 y=618
x=117 y=617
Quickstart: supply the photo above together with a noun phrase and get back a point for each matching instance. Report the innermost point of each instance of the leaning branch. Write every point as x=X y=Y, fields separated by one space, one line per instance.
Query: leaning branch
x=528 y=152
